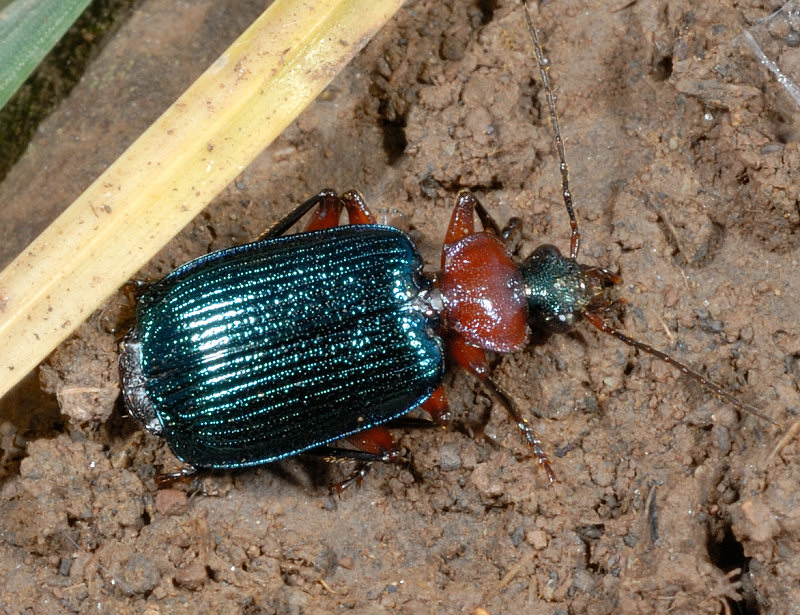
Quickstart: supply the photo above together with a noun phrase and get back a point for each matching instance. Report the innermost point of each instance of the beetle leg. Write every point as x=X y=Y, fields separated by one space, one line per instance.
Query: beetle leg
x=357 y=210
x=474 y=361
x=378 y=442
x=332 y=453
x=489 y=223
x=462 y=222
x=330 y=208
x=512 y=235
x=469 y=357
x=374 y=444
x=437 y=406
x=165 y=480
x=525 y=427
x=409 y=422
x=290 y=219
x=356 y=477
x=327 y=213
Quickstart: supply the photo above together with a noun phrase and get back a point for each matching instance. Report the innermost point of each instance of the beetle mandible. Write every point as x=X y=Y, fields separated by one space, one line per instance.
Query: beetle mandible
x=293 y=342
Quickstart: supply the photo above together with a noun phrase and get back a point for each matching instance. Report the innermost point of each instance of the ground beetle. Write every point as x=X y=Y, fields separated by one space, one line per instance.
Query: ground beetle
x=292 y=343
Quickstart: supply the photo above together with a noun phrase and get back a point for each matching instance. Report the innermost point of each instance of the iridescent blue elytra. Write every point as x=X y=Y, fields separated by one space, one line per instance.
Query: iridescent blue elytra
x=262 y=351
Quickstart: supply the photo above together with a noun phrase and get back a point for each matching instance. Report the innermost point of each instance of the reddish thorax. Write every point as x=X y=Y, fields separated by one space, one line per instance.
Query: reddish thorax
x=482 y=290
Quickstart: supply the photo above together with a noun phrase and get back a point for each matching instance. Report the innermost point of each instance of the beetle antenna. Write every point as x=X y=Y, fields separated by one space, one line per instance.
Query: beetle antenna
x=575 y=241
x=544 y=67
x=601 y=324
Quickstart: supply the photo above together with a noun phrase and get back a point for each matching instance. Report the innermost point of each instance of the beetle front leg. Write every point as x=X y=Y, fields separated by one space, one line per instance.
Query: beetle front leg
x=462 y=221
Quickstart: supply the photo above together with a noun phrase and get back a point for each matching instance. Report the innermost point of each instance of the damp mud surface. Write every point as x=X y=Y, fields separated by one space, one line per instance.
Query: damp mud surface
x=684 y=159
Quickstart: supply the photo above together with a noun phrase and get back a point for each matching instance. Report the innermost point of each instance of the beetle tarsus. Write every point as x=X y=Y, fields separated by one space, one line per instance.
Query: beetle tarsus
x=525 y=427
x=356 y=478
x=165 y=480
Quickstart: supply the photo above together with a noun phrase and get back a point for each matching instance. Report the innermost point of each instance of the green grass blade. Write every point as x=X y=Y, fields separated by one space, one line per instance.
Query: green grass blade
x=28 y=31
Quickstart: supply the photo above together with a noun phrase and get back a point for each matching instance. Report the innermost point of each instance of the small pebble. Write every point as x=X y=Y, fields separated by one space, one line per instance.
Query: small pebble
x=171 y=502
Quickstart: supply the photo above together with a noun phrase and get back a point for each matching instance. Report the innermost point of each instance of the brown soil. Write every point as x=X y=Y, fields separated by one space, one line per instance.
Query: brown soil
x=683 y=165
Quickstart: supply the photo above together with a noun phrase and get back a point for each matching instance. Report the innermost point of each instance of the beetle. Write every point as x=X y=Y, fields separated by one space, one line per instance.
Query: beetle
x=292 y=343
